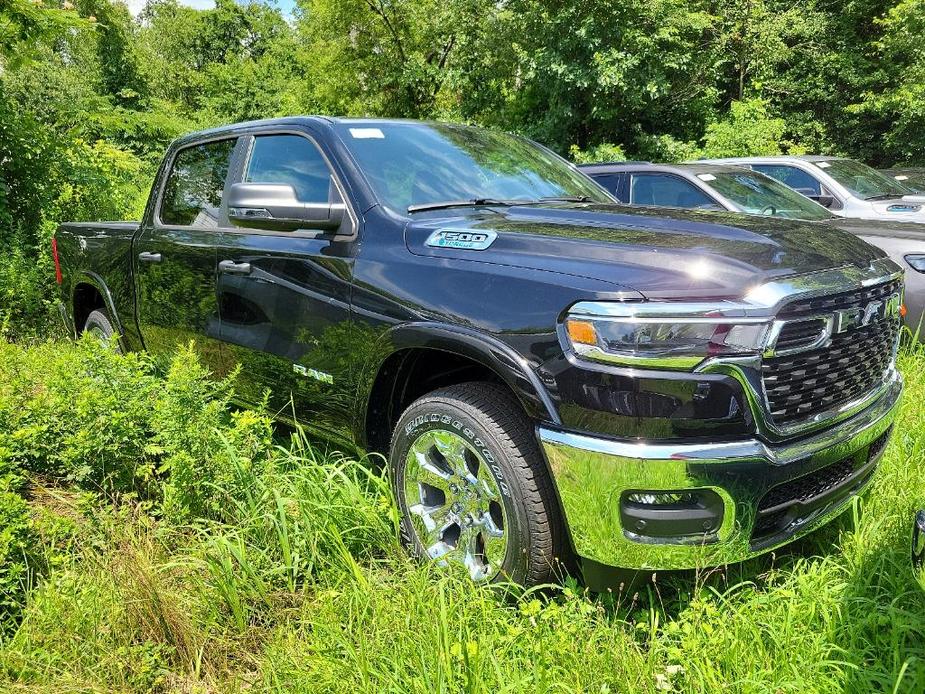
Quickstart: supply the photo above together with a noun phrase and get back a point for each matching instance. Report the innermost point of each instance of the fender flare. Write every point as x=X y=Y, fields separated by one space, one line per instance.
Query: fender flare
x=510 y=366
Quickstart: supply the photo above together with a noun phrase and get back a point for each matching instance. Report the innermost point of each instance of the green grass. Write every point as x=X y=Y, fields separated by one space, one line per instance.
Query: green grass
x=279 y=571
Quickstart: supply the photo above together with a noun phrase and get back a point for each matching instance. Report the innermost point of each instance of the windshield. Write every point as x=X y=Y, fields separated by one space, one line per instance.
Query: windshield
x=913 y=180
x=411 y=164
x=863 y=181
x=755 y=193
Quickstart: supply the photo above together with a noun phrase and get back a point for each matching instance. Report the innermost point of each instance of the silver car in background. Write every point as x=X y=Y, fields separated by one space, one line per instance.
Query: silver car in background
x=846 y=187
x=708 y=186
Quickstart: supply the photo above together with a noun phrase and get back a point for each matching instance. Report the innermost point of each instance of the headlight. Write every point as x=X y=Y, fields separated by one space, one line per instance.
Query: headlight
x=678 y=337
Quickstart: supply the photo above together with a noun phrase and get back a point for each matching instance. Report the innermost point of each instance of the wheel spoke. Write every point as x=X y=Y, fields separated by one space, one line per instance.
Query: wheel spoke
x=472 y=558
x=432 y=516
x=486 y=482
x=432 y=475
x=453 y=451
x=494 y=541
x=439 y=550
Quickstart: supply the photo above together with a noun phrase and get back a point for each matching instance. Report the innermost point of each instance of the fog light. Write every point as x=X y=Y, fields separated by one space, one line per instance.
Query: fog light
x=660 y=498
x=690 y=515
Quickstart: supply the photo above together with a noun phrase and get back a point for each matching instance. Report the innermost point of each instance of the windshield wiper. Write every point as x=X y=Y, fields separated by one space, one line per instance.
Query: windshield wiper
x=886 y=196
x=566 y=198
x=472 y=202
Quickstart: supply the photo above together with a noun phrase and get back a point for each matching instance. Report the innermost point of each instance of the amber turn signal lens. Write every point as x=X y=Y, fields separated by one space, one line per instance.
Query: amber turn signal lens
x=902 y=310
x=582 y=332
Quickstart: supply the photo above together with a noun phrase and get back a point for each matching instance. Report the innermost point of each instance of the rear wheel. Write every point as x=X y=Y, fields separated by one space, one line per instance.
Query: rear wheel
x=99 y=326
x=473 y=488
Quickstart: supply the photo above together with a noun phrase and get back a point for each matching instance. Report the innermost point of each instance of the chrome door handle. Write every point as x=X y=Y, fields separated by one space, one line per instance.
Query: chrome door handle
x=230 y=267
x=150 y=257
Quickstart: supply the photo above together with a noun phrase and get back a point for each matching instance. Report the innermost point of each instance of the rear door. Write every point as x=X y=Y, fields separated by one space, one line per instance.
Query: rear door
x=175 y=254
x=285 y=295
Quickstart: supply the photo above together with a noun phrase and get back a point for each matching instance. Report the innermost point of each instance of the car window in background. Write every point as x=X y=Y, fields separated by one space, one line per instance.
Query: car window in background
x=665 y=190
x=193 y=192
x=863 y=181
x=290 y=159
x=754 y=193
x=791 y=176
x=609 y=181
x=424 y=163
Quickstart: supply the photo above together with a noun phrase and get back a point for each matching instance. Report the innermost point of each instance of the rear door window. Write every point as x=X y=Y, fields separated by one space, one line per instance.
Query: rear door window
x=665 y=190
x=193 y=191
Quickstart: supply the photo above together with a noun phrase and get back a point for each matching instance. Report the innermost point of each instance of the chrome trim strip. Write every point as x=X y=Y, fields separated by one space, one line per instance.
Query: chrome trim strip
x=762 y=301
x=591 y=475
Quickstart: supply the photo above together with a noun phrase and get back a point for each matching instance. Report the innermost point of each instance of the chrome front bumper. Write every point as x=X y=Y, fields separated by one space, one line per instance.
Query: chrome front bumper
x=592 y=476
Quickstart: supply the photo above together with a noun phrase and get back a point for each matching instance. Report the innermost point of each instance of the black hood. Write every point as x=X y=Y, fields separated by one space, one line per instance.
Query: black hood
x=657 y=252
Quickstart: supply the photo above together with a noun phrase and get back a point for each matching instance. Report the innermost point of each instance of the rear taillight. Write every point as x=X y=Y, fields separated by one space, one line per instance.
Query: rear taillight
x=59 y=278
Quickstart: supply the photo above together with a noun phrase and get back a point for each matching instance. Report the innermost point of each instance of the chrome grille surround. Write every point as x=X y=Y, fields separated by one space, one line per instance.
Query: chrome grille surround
x=815 y=297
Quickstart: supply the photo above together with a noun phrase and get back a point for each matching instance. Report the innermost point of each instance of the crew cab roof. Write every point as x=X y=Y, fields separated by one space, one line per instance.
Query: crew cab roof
x=692 y=167
x=284 y=121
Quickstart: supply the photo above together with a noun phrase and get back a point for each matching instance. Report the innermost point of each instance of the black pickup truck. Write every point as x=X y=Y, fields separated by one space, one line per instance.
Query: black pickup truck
x=550 y=375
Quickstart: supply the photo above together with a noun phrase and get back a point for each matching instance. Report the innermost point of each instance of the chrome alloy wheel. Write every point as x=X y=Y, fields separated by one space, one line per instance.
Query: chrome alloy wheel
x=455 y=504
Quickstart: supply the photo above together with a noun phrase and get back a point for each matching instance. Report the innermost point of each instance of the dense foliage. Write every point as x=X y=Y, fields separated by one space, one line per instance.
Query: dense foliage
x=141 y=550
x=90 y=96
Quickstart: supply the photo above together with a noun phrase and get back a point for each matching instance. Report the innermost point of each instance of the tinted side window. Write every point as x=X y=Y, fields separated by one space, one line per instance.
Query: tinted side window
x=610 y=182
x=665 y=190
x=290 y=159
x=193 y=192
x=791 y=176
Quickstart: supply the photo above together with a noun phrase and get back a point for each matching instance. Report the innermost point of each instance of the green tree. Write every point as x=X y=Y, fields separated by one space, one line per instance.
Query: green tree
x=748 y=130
x=396 y=58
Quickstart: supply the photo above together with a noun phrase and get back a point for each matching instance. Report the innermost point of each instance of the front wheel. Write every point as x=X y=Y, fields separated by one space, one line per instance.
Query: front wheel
x=473 y=488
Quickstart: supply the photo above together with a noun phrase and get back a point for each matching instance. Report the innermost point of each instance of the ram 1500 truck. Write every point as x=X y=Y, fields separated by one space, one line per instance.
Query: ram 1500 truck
x=551 y=376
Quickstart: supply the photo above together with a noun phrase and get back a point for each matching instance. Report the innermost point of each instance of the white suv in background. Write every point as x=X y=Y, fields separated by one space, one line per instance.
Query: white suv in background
x=848 y=188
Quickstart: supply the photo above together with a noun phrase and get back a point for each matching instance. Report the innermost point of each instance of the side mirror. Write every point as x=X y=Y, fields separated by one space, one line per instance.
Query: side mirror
x=275 y=206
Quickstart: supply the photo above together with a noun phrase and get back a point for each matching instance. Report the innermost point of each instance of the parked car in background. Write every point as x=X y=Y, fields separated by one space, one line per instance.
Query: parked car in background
x=848 y=188
x=547 y=373
x=913 y=179
x=707 y=186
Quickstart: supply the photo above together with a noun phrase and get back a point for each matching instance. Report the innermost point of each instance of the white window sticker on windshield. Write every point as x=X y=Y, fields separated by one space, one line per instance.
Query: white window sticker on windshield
x=367 y=133
x=823 y=164
x=706 y=177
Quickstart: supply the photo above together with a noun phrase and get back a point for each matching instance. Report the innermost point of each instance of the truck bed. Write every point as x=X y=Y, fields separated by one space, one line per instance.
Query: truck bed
x=91 y=251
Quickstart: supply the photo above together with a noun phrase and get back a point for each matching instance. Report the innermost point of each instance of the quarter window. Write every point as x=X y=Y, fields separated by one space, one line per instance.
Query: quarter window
x=664 y=190
x=294 y=160
x=193 y=192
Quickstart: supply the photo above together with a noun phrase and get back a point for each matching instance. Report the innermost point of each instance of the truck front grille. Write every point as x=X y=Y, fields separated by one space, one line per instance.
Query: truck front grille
x=852 y=365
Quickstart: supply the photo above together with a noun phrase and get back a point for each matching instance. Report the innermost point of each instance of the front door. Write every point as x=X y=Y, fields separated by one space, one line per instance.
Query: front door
x=175 y=256
x=285 y=295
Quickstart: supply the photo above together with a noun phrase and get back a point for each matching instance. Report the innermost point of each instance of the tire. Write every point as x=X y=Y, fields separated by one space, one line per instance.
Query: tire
x=464 y=464
x=99 y=325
